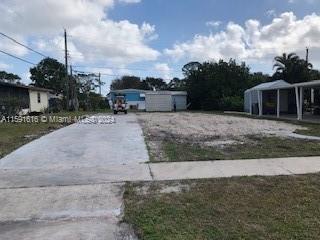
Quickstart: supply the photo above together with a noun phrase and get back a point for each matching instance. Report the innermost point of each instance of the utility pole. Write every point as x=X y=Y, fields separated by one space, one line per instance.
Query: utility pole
x=66 y=66
x=99 y=83
x=307 y=55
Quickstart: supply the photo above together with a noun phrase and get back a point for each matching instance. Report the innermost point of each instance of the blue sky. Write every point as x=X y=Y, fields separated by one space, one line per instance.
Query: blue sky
x=158 y=36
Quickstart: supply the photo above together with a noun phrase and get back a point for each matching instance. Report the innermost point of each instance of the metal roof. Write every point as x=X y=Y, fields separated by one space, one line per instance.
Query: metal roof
x=174 y=93
x=279 y=84
x=315 y=83
x=24 y=86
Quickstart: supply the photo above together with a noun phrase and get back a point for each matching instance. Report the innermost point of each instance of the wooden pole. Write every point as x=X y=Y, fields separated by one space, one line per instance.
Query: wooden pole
x=297 y=102
x=278 y=103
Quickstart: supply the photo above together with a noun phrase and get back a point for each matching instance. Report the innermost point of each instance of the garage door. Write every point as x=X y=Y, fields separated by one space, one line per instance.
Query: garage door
x=158 y=102
x=181 y=101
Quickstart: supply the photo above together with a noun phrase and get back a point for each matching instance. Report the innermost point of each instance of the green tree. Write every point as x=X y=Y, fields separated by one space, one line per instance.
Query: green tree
x=49 y=73
x=127 y=82
x=291 y=68
x=217 y=85
x=9 y=77
x=177 y=84
x=155 y=83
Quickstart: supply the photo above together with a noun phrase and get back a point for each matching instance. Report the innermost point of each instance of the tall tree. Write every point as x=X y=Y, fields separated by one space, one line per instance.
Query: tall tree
x=291 y=68
x=155 y=83
x=177 y=84
x=49 y=73
x=127 y=82
x=9 y=77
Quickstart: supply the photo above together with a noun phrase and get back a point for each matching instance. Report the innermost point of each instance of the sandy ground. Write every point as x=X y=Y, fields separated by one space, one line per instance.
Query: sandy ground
x=214 y=128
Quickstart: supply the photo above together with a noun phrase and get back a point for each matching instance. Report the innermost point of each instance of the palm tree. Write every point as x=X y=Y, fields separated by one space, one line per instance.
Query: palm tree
x=285 y=62
x=291 y=68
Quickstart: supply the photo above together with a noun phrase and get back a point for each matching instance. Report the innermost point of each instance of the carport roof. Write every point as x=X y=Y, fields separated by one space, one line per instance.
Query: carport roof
x=279 y=84
x=315 y=83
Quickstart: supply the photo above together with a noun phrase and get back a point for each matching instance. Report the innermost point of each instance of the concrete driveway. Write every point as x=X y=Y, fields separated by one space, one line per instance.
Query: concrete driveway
x=69 y=183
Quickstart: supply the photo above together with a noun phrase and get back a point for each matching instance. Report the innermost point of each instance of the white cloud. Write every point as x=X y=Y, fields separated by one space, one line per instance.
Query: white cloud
x=130 y=1
x=304 y=1
x=213 y=23
x=254 y=41
x=164 y=70
x=92 y=35
x=4 y=66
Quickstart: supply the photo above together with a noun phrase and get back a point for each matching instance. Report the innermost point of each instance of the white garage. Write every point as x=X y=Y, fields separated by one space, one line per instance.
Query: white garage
x=166 y=101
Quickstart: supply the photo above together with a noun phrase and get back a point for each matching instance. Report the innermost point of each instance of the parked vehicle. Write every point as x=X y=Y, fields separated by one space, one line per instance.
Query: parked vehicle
x=120 y=105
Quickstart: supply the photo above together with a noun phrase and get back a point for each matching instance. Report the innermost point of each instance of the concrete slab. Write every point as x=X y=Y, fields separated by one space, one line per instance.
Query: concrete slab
x=54 y=187
x=22 y=178
x=83 y=145
x=86 y=229
x=68 y=202
x=232 y=168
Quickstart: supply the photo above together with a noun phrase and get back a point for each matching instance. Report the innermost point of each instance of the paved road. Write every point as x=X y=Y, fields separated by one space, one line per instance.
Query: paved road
x=69 y=183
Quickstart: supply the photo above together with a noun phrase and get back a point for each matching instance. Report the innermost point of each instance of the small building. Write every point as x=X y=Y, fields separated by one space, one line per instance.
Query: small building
x=151 y=101
x=23 y=99
x=281 y=99
x=166 y=101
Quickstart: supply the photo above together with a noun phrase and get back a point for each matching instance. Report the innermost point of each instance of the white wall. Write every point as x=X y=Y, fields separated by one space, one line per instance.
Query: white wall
x=158 y=102
x=141 y=104
x=44 y=101
x=181 y=101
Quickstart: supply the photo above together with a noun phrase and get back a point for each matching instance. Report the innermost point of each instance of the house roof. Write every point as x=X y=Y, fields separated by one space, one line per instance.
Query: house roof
x=174 y=93
x=315 y=83
x=279 y=84
x=129 y=90
x=149 y=91
x=24 y=86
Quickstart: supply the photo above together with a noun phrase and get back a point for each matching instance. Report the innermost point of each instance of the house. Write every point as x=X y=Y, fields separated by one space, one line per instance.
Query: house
x=23 y=99
x=135 y=97
x=151 y=101
x=281 y=99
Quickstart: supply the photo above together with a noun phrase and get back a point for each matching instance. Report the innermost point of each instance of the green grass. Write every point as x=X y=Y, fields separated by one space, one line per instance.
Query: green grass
x=14 y=135
x=254 y=147
x=177 y=152
x=313 y=129
x=285 y=207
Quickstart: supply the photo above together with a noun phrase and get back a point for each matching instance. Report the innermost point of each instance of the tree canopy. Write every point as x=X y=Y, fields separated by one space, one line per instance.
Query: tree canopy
x=49 y=73
x=292 y=69
x=219 y=85
x=9 y=77
x=133 y=82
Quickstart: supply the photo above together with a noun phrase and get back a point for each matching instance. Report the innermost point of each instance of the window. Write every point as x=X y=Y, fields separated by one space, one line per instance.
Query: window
x=39 y=98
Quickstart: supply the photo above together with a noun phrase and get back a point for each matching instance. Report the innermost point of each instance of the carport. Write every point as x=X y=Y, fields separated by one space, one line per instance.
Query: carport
x=283 y=100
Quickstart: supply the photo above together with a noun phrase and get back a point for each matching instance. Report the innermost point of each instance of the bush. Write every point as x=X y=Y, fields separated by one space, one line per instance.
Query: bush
x=233 y=103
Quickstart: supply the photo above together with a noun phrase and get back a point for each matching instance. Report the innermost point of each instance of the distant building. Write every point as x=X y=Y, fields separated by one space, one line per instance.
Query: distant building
x=152 y=101
x=135 y=98
x=16 y=98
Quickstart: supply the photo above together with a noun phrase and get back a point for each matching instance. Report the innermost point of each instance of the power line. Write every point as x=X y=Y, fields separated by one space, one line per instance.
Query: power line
x=121 y=68
x=21 y=59
x=21 y=44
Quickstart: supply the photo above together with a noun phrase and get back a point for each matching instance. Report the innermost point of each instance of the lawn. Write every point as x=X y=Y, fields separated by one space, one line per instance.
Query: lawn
x=284 y=207
x=14 y=135
x=254 y=147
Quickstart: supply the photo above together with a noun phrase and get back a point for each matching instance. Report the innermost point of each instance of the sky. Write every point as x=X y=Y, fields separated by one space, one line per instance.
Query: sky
x=157 y=37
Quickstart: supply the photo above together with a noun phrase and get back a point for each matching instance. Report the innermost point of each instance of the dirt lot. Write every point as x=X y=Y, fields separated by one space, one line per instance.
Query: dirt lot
x=203 y=136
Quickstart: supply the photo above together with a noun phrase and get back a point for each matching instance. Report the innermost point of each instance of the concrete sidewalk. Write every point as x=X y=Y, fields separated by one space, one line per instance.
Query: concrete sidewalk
x=233 y=168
